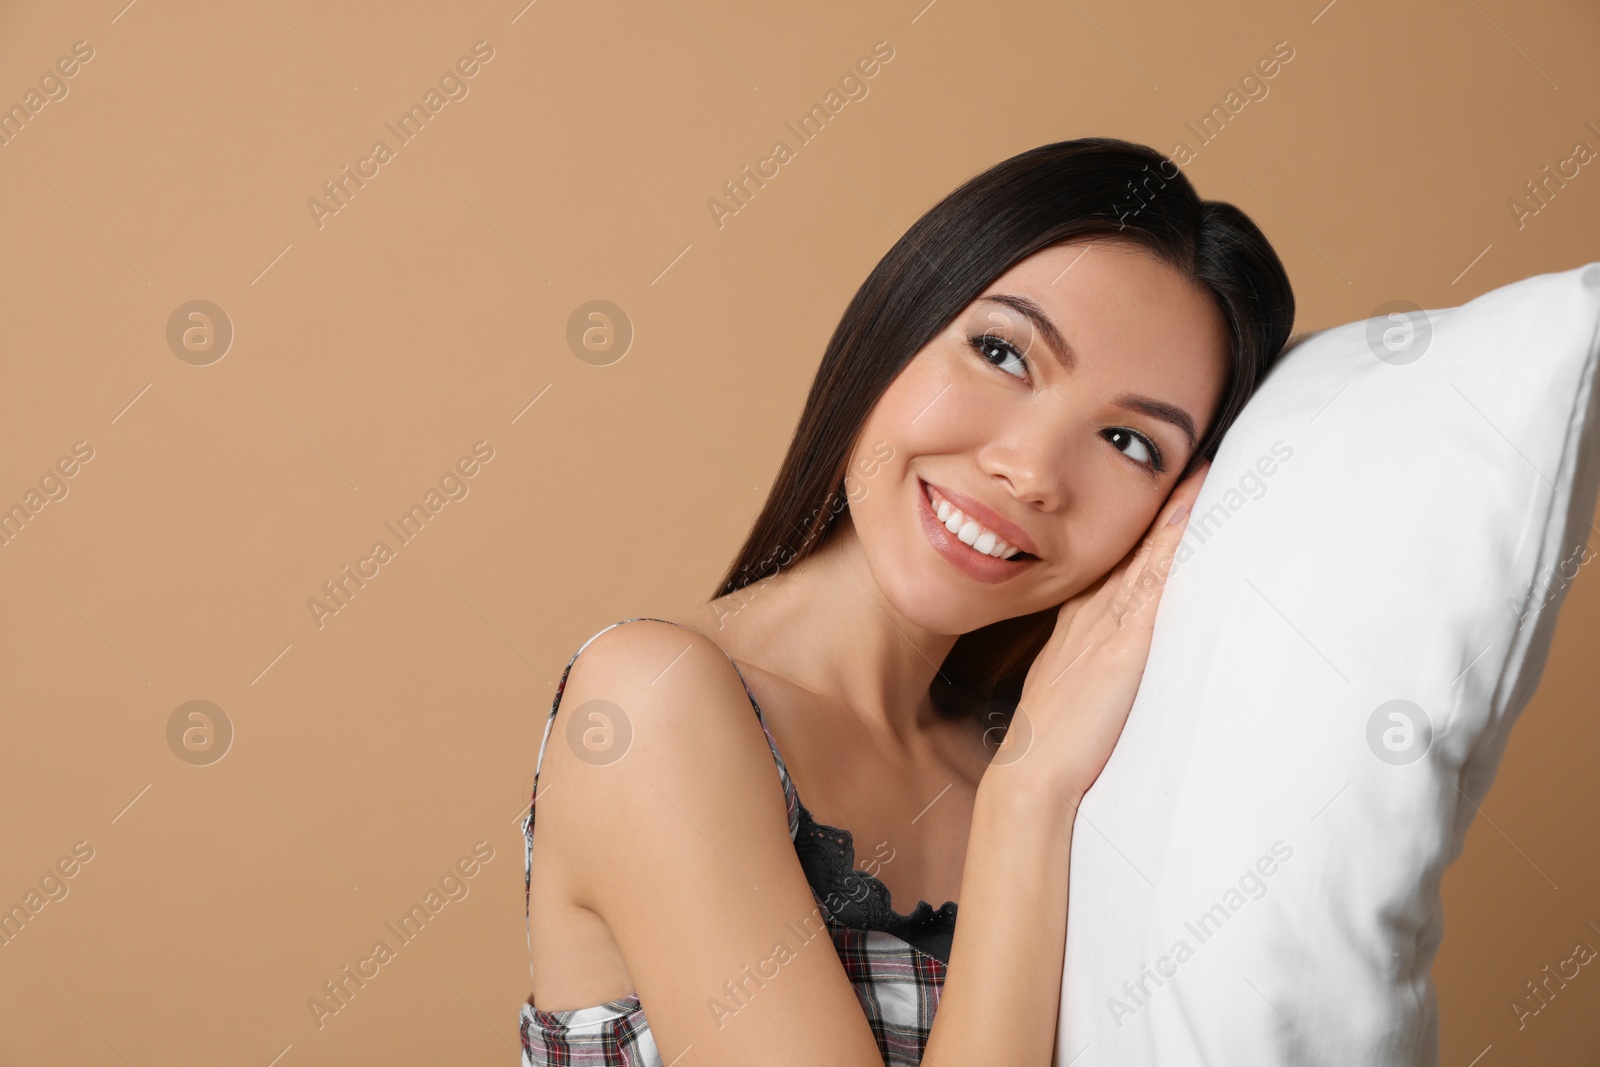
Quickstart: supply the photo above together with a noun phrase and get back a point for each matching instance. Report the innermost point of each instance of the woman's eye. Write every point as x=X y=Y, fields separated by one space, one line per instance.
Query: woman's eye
x=998 y=352
x=1142 y=450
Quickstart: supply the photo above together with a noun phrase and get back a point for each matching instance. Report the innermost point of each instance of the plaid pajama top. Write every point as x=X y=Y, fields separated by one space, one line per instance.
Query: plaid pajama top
x=895 y=962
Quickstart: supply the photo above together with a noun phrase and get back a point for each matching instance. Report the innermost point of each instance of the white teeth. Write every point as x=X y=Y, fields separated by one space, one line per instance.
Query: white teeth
x=971 y=532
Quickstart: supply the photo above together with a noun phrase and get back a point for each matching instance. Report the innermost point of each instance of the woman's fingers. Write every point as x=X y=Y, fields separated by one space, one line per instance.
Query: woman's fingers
x=1145 y=577
x=1182 y=496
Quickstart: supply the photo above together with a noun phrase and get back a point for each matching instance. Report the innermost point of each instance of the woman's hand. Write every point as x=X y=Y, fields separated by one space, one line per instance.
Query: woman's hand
x=1076 y=697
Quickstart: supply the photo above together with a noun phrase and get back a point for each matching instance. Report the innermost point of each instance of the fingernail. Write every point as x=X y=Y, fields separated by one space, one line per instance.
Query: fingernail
x=1178 y=515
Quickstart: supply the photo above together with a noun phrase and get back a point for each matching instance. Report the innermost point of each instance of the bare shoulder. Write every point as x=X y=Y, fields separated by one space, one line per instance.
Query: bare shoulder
x=636 y=646
x=654 y=722
x=655 y=673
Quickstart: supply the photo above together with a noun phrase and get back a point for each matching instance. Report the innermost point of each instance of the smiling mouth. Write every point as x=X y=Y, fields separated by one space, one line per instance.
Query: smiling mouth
x=972 y=533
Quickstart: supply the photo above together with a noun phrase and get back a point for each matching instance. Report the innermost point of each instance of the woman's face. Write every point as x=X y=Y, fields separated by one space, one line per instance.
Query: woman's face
x=1060 y=408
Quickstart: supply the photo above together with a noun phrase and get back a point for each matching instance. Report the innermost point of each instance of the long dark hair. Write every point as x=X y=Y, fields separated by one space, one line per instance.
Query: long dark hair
x=1088 y=187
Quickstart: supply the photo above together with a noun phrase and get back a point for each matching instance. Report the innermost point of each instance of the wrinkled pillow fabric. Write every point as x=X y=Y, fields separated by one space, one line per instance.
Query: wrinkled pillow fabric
x=1362 y=605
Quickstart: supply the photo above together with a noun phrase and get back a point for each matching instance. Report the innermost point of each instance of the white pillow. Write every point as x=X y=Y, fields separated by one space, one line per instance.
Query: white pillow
x=1363 y=603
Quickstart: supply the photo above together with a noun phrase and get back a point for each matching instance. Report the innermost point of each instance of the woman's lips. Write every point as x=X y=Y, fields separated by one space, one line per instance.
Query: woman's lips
x=973 y=508
x=968 y=560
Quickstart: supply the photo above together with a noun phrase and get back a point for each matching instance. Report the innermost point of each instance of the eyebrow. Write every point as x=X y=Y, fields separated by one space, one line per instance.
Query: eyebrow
x=1156 y=409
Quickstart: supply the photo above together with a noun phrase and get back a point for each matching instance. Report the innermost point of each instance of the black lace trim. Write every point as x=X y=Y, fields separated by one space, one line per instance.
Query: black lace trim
x=859 y=900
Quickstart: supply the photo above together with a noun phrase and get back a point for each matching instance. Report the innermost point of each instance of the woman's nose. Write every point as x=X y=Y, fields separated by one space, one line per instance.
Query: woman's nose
x=1040 y=459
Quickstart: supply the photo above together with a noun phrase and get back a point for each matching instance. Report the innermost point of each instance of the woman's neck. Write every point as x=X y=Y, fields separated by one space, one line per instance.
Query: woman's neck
x=823 y=624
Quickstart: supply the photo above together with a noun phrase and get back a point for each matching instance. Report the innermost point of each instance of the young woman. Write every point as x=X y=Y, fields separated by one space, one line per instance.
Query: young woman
x=934 y=632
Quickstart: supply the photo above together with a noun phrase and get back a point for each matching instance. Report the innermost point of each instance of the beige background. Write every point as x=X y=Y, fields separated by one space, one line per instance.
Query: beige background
x=431 y=311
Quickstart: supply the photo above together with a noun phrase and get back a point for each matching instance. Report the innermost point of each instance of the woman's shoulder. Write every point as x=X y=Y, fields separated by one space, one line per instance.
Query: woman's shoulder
x=654 y=727
x=661 y=656
x=662 y=695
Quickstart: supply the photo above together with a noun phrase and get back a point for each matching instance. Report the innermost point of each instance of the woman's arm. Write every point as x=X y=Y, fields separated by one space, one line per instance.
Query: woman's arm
x=1003 y=986
x=682 y=848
